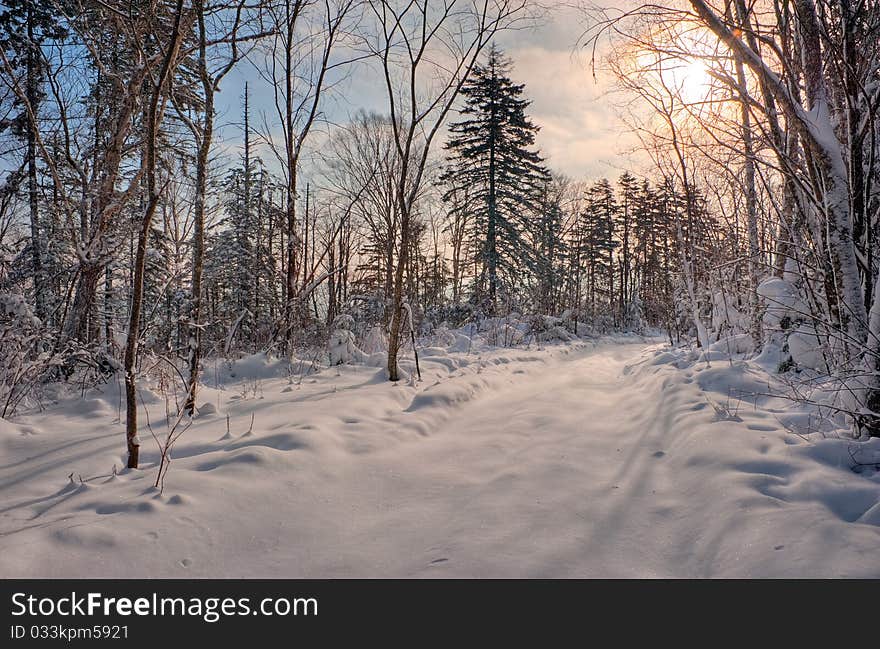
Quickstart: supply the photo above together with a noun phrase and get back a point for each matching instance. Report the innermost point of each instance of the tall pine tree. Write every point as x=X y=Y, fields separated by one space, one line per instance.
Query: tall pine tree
x=491 y=156
x=599 y=243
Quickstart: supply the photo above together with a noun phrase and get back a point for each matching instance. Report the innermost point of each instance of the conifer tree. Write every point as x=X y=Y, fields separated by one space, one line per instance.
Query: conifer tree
x=599 y=241
x=628 y=187
x=491 y=154
x=548 y=247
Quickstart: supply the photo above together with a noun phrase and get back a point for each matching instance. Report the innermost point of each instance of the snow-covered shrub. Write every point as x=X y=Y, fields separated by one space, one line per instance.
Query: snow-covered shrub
x=15 y=311
x=32 y=357
x=806 y=348
x=369 y=321
x=28 y=358
x=425 y=328
x=572 y=321
x=22 y=361
x=728 y=314
x=342 y=345
x=442 y=337
x=783 y=306
x=786 y=323
x=508 y=331
x=545 y=328
x=374 y=340
x=733 y=345
x=451 y=316
x=602 y=323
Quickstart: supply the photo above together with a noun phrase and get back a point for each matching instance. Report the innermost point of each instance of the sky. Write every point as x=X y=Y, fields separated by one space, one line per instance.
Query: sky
x=580 y=134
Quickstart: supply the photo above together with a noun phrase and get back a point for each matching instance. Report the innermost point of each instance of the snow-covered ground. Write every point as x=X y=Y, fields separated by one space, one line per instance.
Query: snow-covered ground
x=621 y=459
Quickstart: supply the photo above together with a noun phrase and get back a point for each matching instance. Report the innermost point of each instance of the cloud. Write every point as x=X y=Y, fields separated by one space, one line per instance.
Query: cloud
x=581 y=134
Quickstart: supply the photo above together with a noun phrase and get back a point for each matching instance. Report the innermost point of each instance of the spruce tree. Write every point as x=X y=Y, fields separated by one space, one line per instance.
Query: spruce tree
x=599 y=243
x=491 y=155
x=628 y=188
x=548 y=247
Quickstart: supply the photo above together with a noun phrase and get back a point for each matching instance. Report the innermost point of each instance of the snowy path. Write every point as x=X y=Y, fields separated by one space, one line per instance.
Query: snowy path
x=532 y=465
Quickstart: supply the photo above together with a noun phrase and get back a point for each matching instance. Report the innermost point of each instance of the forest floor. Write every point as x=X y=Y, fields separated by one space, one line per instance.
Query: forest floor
x=612 y=459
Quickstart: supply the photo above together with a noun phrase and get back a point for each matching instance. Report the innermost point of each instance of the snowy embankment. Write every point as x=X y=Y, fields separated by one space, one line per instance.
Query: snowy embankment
x=576 y=460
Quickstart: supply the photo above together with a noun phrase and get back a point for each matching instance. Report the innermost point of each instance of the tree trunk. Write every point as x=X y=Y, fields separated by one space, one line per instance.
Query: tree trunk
x=751 y=208
x=137 y=293
x=290 y=277
x=397 y=302
x=871 y=423
x=32 y=92
x=195 y=316
x=78 y=325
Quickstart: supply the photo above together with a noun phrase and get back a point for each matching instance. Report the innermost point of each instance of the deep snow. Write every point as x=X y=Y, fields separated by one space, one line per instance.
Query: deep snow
x=620 y=459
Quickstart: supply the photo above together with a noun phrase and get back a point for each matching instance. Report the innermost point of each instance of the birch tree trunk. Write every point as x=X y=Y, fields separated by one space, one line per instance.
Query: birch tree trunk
x=751 y=208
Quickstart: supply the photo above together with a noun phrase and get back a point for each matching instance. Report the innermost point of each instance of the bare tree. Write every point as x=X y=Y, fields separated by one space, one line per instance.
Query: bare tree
x=300 y=67
x=225 y=30
x=426 y=51
x=159 y=85
x=361 y=161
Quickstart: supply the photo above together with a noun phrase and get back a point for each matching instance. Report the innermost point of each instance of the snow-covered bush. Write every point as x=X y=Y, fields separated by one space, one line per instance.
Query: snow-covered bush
x=545 y=328
x=728 y=314
x=783 y=306
x=15 y=311
x=342 y=345
x=786 y=324
x=602 y=324
x=442 y=337
x=806 y=348
x=374 y=340
x=733 y=345
x=452 y=316
x=368 y=320
x=22 y=360
x=784 y=311
x=31 y=357
x=508 y=331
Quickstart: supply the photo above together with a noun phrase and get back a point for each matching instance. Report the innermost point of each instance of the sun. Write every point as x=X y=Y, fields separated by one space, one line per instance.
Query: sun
x=690 y=80
x=694 y=82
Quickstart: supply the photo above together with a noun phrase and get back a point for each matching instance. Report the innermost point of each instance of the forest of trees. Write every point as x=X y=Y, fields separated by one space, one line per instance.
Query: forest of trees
x=134 y=231
x=770 y=110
